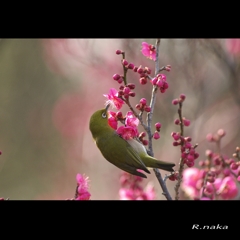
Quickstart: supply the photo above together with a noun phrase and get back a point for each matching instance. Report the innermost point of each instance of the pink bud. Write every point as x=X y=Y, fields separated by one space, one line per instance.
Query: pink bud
x=186 y=122
x=120 y=80
x=120 y=93
x=175 y=101
x=190 y=164
x=142 y=75
x=168 y=68
x=148 y=70
x=143 y=80
x=165 y=86
x=175 y=144
x=140 y=70
x=192 y=151
x=238 y=178
x=156 y=135
x=160 y=83
x=176 y=137
x=119 y=115
x=132 y=94
x=182 y=96
x=221 y=133
x=138 y=107
x=177 y=121
x=124 y=62
x=196 y=155
x=158 y=126
x=234 y=166
x=131 y=85
x=130 y=66
x=209 y=153
x=226 y=172
x=184 y=155
x=147 y=108
x=135 y=68
x=116 y=76
x=188 y=139
x=119 y=52
x=190 y=158
x=142 y=134
x=162 y=76
x=173 y=133
x=216 y=161
x=210 y=137
x=126 y=90
x=211 y=179
x=188 y=145
x=145 y=142
x=154 y=81
x=143 y=101
x=172 y=178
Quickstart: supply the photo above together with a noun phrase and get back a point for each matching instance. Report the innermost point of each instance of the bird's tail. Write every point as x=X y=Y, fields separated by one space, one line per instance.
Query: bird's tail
x=154 y=163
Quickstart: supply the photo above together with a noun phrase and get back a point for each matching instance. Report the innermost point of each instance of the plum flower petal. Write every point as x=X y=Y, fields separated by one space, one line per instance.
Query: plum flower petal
x=113 y=99
x=228 y=189
x=191 y=177
x=126 y=132
x=82 y=188
x=132 y=121
x=126 y=194
x=112 y=120
x=149 y=51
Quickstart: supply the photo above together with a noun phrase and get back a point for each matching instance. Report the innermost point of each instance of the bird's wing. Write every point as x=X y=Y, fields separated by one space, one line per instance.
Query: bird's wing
x=123 y=155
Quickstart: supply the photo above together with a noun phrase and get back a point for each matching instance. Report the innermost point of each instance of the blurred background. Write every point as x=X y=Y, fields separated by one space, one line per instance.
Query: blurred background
x=50 y=88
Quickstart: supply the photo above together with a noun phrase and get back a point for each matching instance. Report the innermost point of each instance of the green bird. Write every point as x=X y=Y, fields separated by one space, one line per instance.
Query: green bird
x=128 y=155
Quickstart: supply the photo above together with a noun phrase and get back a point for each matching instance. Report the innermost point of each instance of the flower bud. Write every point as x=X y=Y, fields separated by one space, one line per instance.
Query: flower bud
x=175 y=101
x=119 y=52
x=147 y=108
x=124 y=62
x=143 y=80
x=130 y=66
x=143 y=101
x=132 y=94
x=116 y=76
x=158 y=126
x=156 y=135
x=140 y=70
x=131 y=85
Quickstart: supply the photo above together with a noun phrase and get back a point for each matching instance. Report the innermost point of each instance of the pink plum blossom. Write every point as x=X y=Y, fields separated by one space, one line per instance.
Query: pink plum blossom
x=149 y=51
x=228 y=188
x=127 y=132
x=113 y=99
x=191 y=181
x=82 y=188
x=112 y=121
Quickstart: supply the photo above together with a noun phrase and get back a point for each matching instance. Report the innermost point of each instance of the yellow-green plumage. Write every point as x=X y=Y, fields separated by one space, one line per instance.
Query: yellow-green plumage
x=128 y=155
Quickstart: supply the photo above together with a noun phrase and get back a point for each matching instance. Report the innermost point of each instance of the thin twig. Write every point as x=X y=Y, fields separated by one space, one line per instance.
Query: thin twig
x=181 y=167
x=149 y=120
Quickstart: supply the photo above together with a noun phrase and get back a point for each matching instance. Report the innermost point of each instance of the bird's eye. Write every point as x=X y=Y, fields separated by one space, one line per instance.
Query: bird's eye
x=104 y=115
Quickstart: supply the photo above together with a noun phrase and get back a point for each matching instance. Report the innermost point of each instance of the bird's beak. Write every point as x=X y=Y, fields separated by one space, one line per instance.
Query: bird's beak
x=107 y=107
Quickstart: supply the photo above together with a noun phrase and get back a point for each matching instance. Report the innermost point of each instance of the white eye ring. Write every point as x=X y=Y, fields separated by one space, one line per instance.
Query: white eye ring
x=104 y=115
